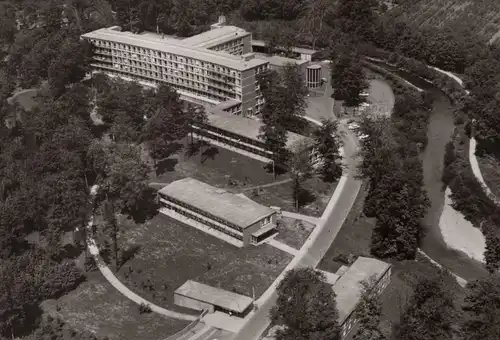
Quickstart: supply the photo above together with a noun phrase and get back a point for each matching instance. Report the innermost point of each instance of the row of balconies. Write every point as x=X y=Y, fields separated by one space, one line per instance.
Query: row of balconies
x=214 y=76
x=207 y=93
x=181 y=60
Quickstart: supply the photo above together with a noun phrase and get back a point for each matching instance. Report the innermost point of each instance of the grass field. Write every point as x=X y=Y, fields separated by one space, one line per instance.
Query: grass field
x=293 y=232
x=97 y=307
x=313 y=199
x=216 y=166
x=490 y=169
x=169 y=253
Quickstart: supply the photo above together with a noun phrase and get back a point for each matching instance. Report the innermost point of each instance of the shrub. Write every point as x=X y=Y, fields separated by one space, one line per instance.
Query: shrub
x=144 y=308
x=60 y=279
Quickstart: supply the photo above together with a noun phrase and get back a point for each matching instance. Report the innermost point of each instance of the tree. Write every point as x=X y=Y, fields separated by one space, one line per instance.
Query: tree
x=368 y=312
x=300 y=169
x=482 y=308
x=306 y=307
x=431 y=312
x=356 y=18
x=492 y=252
x=111 y=229
x=327 y=144
x=70 y=65
x=348 y=78
x=125 y=184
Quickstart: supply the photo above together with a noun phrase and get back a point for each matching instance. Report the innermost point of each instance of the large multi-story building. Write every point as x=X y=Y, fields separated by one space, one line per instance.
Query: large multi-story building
x=210 y=68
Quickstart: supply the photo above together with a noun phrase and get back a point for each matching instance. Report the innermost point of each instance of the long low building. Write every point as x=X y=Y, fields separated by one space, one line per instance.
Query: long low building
x=349 y=289
x=243 y=133
x=237 y=217
x=200 y=297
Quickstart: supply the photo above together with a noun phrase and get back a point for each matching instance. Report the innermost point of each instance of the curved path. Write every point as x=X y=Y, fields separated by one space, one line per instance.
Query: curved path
x=439 y=132
x=477 y=171
x=113 y=280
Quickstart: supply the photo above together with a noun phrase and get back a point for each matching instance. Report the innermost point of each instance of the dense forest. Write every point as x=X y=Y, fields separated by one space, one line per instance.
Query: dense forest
x=51 y=155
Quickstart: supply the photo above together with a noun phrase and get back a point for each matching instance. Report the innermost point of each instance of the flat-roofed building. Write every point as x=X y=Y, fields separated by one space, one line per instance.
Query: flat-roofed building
x=348 y=287
x=242 y=219
x=229 y=39
x=208 y=69
x=226 y=129
x=277 y=63
x=200 y=297
x=301 y=53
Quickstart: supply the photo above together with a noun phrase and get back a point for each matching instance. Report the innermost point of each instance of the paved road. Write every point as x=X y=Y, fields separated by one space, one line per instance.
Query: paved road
x=329 y=227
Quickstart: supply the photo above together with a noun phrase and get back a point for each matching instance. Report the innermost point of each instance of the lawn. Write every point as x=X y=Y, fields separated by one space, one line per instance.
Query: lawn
x=216 y=166
x=490 y=169
x=169 y=253
x=314 y=197
x=97 y=307
x=293 y=232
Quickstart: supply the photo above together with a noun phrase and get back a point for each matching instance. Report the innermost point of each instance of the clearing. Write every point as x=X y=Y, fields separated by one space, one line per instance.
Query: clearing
x=167 y=253
x=97 y=307
x=460 y=234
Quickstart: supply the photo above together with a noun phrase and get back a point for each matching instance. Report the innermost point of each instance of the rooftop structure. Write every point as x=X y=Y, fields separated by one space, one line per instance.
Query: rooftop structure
x=215 y=37
x=348 y=287
x=229 y=207
x=219 y=298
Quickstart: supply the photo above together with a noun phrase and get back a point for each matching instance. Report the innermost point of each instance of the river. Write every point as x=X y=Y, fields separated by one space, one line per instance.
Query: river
x=440 y=130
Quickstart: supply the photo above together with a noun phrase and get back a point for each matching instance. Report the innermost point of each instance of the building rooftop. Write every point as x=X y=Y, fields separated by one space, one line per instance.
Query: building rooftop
x=247 y=127
x=314 y=66
x=172 y=45
x=232 y=208
x=277 y=60
x=348 y=287
x=215 y=36
x=218 y=297
x=300 y=50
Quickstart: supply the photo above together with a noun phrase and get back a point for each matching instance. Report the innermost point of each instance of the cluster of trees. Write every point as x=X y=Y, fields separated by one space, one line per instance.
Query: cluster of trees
x=306 y=308
x=393 y=168
x=285 y=94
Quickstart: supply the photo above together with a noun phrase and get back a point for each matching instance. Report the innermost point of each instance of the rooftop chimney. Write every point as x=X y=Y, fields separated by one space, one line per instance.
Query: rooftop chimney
x=222 y=20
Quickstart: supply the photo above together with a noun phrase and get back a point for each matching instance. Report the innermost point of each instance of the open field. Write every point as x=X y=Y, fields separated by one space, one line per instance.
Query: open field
x=97 y=307
x=460 y=234
x=216 y=166
x=490 y=169
x=293 y=232
x=169 y=253
x=313 y=198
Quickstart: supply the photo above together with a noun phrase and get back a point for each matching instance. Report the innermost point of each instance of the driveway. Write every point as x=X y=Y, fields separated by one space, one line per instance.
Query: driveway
x=329 y=226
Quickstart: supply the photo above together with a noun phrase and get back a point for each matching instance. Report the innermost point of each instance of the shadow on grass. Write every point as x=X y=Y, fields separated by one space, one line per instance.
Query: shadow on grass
x=195 y=147
x=279 y=170
x=305 y=197
x=211 y=152
x=166 y=165
x=129 y=253
x=25 y=325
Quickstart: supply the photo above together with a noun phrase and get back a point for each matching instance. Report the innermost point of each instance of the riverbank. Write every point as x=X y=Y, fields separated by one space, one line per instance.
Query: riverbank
x=440 y=131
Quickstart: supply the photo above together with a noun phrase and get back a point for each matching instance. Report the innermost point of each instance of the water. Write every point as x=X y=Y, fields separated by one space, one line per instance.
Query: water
x=440 y=130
